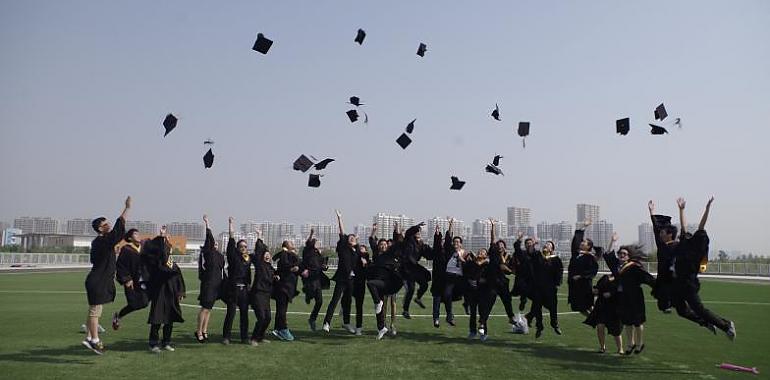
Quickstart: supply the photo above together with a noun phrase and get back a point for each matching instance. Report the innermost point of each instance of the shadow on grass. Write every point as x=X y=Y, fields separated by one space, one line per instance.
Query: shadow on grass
x=74 y=354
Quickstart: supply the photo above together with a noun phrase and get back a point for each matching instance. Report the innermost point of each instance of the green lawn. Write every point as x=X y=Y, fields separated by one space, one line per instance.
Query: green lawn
x=42 y=312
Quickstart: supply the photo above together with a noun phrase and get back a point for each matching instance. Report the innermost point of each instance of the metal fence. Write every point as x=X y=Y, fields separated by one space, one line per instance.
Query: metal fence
x=82 y=260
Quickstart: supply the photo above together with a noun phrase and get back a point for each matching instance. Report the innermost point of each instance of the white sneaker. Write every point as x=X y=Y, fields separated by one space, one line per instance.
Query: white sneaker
x=482 y=331
x=378 y=307
x=359 y=331
x=326 y=327
x=731 y=331
x=101 y=329
x=349 y=328
x=381 y=333
x=155 y=349
x=169 y=348
x=392 y=330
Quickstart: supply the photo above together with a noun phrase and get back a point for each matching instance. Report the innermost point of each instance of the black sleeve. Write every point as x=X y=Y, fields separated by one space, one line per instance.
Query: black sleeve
x=558 y=272
x=232 y=253
x=412 y=231
x=656 y=231
x=612 y=262
x=123 y=266
x=576 y=240
x=118 y=230
x=373 y=244
x=208 y=244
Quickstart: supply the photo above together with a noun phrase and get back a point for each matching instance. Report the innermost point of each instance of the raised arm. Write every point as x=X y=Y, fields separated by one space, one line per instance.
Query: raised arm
x=124 y=213
x=310 y=237
x=208 y=244
x=230 y=228
x=339 y=222
x=705 y=217
x=231 y=241
x=119 y=229
x=492 y=237
x=680 y=202
x=413 y=230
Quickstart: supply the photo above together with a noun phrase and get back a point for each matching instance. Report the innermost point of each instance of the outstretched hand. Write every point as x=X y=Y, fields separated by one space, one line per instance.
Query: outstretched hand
x=128 y=202
x=651 y=207
x=680 y=202
x=711 y=200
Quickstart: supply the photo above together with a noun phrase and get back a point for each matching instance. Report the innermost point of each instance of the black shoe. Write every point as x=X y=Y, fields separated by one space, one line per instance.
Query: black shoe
x=245 y=341
x=199 y=337
x=419 y=303
x=406 y=315
x=557 y=330
x=538 y=333
x=436 y=323
x=630 y=350
x=311 y=322
x=205 y=337
x=711 y=328
x=639 y=350
x=451 y=322
x=529 y=319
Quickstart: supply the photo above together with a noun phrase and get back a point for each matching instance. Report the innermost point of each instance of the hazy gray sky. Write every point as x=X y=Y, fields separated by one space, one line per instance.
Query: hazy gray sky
x=84 y=87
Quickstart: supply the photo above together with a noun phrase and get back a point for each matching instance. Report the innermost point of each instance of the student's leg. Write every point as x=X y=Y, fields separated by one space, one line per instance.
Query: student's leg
x=359 y=298
x=243 y=306
x=168 y=328
x=436 y=307
x=422 y=289
x=409 y=293
x=639 y=336
x=601 y=334
x=281 y=309
x=693 y=300
x=448 y=293
x=618 y=343
x=629 y=331
x=347 y=300
x=154 y=336
x=338 y=290
x=92 y=323
x=319 y=300
x=227 y=328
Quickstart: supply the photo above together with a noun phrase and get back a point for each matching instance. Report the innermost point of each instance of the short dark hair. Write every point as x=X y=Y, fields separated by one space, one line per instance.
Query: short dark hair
x=242 y=241
x=457 y=237
x=96 y=223
x=670 y=229
x=382 y=240
x=129 y=233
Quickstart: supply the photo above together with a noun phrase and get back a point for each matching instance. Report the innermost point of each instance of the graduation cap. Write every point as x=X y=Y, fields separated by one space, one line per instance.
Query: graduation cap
x=322 y=165
x=622 y=126
x=678 y=122
x=496 y=160
x=657 y=130
x=403 y=141
x=660 y=112
x=208 y=142
x=169 y=123
x=410 y=126
x=661 y=220
x=354 y=100
x=208 y=159
x=303 y=163
x=314 y=180
x=360 y=36
x=523 y=131
x=262 y=44
x=496 y=113
x=352 y=115
x=422 y=49
x=494 y=167
x=456 y=184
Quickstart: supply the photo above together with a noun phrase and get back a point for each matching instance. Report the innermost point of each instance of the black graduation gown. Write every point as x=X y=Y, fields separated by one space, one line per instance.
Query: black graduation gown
x=605 y=309
x=166 y=283
x=130 y=268
x=100 y=281
x=524 y=283
x=439 y=258
x=580 y=295
x=313 y=262
x=666 y=255
x=345 y=256
x=411 y=254
x=630 y=279
x=238 y=270
x=385 y=267
x=553 y=273
x=287 y=283
x=211 y=271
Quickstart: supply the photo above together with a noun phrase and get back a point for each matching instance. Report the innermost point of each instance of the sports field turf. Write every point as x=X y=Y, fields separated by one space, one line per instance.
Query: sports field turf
x=42 y=312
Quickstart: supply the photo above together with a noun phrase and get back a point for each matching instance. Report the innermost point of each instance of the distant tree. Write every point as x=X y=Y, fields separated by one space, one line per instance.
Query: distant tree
x=723 y=256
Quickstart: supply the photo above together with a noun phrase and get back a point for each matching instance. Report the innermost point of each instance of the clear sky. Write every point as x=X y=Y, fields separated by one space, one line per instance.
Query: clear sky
x=84 y=86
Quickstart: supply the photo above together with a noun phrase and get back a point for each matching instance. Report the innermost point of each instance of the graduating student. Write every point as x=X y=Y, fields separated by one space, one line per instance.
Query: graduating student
x=524 y=282
x=605 y=315
x=100 y=281
x=440 y=256
x=132 y=274
x=542 y=287
x=343 y=278
x=314 y=280
x=630 y=278
x=477 y=288
x=237 y=286
x=360 y=266
x=383 y=279
x=691 y=259
x=581 y=270
x=413 y=272
x=261 y=289
x=549 y=281
x=285 y=289
x=500 y=262
x=166 y=291
x=666 y=244
x=453 y=288
x=211 y=273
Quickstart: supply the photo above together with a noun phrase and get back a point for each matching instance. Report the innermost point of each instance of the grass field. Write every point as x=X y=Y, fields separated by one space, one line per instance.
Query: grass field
x=42 y=312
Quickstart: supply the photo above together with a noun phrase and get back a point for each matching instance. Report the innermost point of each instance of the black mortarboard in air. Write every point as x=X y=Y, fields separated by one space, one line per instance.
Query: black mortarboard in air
x=360 y=36
x=314 y=180
x=496 y=160
x=657 y=130
x=208 y=159
x=494 y=170
x=322 y=165
x=622 y=126
x=352 y=115
x=422 y=49
x=660 y=112
x=354 y=100
x=456 y=184
x=262 y=44
x=169 y=123
x=661 y=220
x=410 y=126
x=496 y=113
x=403 y=141
x=523 y=131
x=303 y=163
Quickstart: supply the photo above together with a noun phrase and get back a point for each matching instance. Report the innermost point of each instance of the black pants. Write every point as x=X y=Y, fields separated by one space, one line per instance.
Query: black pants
x=549 y=302
x=128 y=309
x=260 y=302
x=663 y=287
x=505 y=295
x=471 y=298
x=240 y=301
x=377 y=291
x=409 y=284
x=486 y=298
x=452 y=281
x=155 y=328
x=281 y=308
x=343 y=289
x=359 y=293
x=318 y=299
x=689 y=305
x=135 y=300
